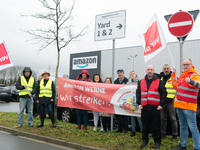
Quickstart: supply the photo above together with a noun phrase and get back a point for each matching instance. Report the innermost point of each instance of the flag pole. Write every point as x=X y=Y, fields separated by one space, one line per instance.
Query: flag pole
x=170 y=56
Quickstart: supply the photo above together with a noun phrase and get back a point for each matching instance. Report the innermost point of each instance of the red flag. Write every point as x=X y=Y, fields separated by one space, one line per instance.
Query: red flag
x=5 y=59
x=152 y=39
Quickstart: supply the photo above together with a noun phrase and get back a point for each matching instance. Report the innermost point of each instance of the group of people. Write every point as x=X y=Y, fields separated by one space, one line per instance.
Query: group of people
x=45 y=94
x=156 y=95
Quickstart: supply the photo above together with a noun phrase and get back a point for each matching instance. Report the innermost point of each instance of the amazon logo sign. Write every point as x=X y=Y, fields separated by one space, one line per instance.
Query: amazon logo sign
x=85 y=63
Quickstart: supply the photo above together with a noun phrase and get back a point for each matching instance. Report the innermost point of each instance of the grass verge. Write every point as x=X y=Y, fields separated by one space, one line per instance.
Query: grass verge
x=67 y=132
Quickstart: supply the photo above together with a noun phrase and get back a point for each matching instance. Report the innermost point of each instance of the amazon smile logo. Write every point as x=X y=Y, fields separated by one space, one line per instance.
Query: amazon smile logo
x=85 y=62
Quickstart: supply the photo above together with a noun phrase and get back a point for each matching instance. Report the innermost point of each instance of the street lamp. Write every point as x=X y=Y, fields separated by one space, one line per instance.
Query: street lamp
x=133 y=58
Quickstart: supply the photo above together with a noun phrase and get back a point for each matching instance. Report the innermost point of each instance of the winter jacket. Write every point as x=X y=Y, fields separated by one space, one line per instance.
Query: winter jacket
x=165 y=78
x=123 y=82
x=103 y=114
x=133 y=81
x=45 y=100
x=161 y=89
x=87 y=78
x=184 y=104
x=20 y=87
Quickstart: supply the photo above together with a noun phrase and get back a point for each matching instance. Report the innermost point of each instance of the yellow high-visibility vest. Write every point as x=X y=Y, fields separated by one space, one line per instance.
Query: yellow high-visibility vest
x=171 y=92
x=45 y=90
x=29 y=88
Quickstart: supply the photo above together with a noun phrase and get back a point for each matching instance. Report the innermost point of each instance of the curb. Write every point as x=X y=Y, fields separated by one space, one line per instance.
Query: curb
x=48 y=139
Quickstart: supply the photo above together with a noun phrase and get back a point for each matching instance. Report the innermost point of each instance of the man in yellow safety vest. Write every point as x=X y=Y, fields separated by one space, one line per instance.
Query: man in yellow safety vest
x=169 y=105
x=26 y=86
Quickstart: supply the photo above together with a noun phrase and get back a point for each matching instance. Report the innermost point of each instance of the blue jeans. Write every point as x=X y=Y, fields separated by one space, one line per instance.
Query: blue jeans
x=42 y=108
x=188 y=118
x=133 y=123
x=79 y=117
x=28 y=104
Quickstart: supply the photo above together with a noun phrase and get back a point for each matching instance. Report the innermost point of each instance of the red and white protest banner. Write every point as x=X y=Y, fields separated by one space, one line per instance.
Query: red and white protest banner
x=101 y=97
x=5 y=58
x=152 y=39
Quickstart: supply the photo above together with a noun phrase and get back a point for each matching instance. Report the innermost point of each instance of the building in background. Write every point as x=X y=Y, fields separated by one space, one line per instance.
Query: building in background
x=132 y=58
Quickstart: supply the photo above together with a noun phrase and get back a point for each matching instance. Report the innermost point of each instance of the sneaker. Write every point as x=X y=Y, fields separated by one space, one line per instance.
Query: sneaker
x=78 y=127
x=157 y=145
x=95 y=128
x=38 y=116
x=179 y=147
x=144 y=143
x=102 y=129
x=125 y=131
x=132 y=134
x=174 y=137
x=118 y=130
x=84 y=128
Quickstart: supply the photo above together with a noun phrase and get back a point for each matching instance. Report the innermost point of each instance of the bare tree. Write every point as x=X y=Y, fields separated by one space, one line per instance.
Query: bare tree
x=62 y=21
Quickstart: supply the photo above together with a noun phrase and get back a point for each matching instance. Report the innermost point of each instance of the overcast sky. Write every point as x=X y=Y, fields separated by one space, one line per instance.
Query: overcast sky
x=138 y=14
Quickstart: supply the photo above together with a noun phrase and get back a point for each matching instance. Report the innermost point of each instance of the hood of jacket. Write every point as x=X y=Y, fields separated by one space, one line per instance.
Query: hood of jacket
x=27 y=69
x=185 y=73
x=80 y=75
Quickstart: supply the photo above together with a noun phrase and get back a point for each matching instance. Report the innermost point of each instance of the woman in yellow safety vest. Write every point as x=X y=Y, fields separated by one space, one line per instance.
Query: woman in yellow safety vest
x=45 y=96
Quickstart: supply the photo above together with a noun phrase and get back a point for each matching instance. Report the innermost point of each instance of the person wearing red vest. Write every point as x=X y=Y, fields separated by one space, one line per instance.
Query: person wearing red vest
x=185 y=103
x=150 y=94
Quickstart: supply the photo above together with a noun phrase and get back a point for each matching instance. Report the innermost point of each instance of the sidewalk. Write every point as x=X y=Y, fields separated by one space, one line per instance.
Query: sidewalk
x=48 y=139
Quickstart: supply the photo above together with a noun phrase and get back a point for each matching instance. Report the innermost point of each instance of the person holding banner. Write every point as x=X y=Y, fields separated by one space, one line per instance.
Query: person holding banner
x=45 y=95
x=186 y=103
x=150 y=94
x=83 y=76
x=121 y=119
x=97 y=79
x=168 y=107
x=26 y=86
x=106 y=117
x=133 y=80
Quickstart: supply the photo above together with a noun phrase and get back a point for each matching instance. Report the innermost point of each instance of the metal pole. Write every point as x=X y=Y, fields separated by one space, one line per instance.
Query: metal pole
x=181 y=54
x=113 y=71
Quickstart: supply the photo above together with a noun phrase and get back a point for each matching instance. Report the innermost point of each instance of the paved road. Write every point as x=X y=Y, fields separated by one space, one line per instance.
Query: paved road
x=11 y=142
x=9 y=107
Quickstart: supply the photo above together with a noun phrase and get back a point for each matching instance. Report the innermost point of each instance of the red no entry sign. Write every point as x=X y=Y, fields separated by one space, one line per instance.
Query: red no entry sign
x=180 y=24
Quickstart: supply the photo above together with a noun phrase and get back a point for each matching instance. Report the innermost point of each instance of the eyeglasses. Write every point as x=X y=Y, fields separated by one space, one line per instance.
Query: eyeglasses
x=186 y=64
x=132 y=74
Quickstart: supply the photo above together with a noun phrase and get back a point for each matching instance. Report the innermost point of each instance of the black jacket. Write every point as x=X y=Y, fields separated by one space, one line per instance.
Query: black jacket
x=45 y=100
x=20 y=87
x=161 y=89
x=165 y=78
x=123 y=82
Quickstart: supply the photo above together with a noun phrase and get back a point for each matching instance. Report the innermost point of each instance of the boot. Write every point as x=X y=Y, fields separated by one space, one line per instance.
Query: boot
x=38 y=116
x=53 y=121
x=132 y=134
x=144 y=143
x=47 y=116
x=42 y=121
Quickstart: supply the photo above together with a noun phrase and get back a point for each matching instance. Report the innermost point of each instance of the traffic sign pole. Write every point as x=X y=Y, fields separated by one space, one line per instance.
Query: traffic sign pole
x=181 y=54
x=113 y=73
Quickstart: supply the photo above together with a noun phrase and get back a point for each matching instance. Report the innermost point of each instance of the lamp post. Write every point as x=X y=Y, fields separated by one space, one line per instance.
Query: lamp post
x=133 y=58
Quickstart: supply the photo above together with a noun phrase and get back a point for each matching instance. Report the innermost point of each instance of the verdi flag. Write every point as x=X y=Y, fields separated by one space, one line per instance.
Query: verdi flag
x=5 y=58
x=152 y=39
